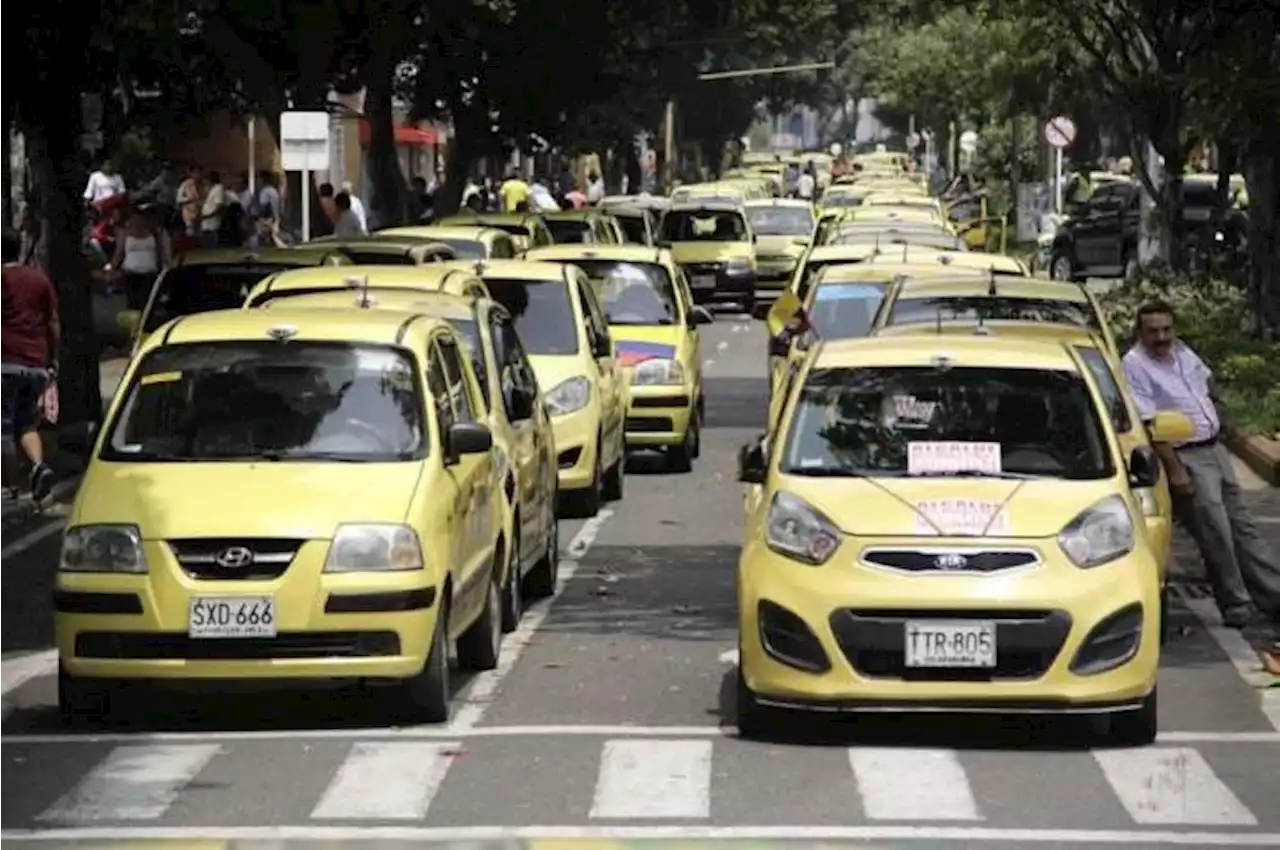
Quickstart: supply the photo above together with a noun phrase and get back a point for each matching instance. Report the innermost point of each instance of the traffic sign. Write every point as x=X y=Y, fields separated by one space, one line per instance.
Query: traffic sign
x=968 y=141
x=913 y=141
x=1060 y=132
x=304 y=141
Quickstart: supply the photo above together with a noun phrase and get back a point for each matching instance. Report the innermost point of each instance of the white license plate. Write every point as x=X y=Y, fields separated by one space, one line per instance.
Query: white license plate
x=704 y=281
x=950 y=643
x=232 y=617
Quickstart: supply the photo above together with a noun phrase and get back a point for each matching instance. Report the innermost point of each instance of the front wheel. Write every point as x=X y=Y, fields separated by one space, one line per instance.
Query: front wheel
x=1135 y=728
x=680 y=458
x=480 y=644
x=426 y=695
x=513 y=593
x=1060 y=268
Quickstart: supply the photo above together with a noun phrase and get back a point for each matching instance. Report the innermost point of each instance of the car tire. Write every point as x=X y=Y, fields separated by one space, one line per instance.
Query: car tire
x=513 y=592
x=479 y=645
x=1135 y=728
x=1164 y=615
x=585 y=503
x=1060 y=268
x=541 y=580
x=755 y=722
x=680 y=458
x=613 y=486
x=749 y=305
x=426 y=695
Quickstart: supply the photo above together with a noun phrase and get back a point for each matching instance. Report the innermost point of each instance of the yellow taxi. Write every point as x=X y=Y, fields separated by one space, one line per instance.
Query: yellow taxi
x=469 y=242
x=897 y=215
x=527 y=230
x=840 y=196
x=716 y=247
x=511 y=408
x=583 y=226
x=219 y=279
x=782 y=228
x=887 y=235
x=654 y=323
x=638 y=224
x=382 y=251
x=562 y=327
x=708 y=193
x=215 y=535
x=941 y=524
x=454 y=278
x=911 y=201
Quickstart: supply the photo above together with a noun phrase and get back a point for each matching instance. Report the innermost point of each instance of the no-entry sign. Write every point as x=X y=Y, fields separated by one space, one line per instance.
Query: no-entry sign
x=1060 y=132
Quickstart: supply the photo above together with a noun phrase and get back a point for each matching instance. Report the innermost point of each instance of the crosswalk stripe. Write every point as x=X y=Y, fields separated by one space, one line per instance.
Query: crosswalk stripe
x=132 y=783
x=912 y=784
x=1171 y=785
x=389 y=781
x=653 y=779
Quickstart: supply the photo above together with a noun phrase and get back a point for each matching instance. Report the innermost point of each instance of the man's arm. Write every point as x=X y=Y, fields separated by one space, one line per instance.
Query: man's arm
x=1226 y=422
x=1144 y=398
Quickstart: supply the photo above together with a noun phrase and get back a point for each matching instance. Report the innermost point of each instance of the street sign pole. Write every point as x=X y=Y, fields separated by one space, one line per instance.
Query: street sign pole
x=304 y=147
x=1059 y=132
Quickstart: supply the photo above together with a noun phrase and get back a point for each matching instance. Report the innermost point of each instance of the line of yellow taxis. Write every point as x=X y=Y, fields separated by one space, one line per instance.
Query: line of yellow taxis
x=954 y=506
x=346 y=461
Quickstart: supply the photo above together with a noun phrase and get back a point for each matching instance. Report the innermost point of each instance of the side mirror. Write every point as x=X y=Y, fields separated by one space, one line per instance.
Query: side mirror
x=780 y=345
x=601 y=347
x=755 y=237
x=1144 y=467
x=752 y=465
x=520 y=403
x=700 y=315
x=468 y=438
x=1169 y=426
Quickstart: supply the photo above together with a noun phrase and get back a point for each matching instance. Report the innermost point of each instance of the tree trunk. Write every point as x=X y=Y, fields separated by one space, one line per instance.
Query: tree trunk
x=389 y=196
x=464 y=148
x=1262 y=175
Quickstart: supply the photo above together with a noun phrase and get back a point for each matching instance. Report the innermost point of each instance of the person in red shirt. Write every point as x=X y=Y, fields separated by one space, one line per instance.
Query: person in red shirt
x=28 y=362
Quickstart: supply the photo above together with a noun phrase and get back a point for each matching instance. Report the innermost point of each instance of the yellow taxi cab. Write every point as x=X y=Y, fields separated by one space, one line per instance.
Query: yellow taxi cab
x=215 y=535
x=889 y=215
x=510 y=407
x=563 y=329
x=715 y=246
x=818 y=257
x=886 y=235
x=782 y=228
x=527 y=230
x=454 y=278
x=948 y=523
x=219 y=279
x=583 y=226
x=840 y=196
x=912 y=201
x=1030 y=306
x=708 y=193
x=469 y=242
x=654 y=323
x=638 y=224
x=382 y=251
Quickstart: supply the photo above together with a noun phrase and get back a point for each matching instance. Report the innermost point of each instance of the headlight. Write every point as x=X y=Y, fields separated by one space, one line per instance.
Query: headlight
x=374 y=549
x=1100 y=534
x=738 y=265
x=103 y=549
x=652 y=373
x=568 y=396
x=796 y=529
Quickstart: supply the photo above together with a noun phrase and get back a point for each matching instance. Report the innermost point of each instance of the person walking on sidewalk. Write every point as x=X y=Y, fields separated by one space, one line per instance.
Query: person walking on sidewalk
x=29 y=354
x=1165 y=374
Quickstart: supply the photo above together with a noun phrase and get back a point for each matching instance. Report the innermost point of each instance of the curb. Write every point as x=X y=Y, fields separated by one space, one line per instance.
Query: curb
x=1259 y=454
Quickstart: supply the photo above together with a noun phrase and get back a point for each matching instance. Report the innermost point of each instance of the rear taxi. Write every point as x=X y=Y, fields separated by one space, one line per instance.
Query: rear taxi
x=452 y=278
x=912 y=200
x=896 y=215
x=708 y=193
x=654 y=324
x=840 y=196
x=949 y=525
x=638 y=224
x=782 y=228
x=563 y=329
x=381 y=251
x=510 y=407
x=527 y=230
x=915 y=235
x=219 y=279
x=469 y=242
x=715 y=246
x=215 y=535
x=583 y=226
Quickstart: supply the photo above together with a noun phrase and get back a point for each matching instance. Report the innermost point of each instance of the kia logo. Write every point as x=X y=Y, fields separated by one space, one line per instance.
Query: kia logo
x=235 y=557
x=951 y=561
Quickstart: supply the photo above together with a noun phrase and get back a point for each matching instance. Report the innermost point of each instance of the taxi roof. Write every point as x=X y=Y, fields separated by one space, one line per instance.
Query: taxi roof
x=622 y=253
x=694 y=205
x=785 y=203
x=429 y=275
x=512 y=269
x=459 y=218
x=574 y=215
x=888 y=199
x=332 y=325
x=924 y=349
x=301 y=255
x=910 y=271
x=434 y=231
x=439 y=304
x=1006 y=287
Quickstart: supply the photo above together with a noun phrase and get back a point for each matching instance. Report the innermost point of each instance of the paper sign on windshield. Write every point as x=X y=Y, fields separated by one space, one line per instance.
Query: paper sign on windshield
x=953 y=456
x=961 y=517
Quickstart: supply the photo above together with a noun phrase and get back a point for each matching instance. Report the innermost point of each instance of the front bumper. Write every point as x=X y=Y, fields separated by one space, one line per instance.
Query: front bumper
x=713 y=282
x=833 y=638
x=659 y=415
x=773 y=276
x=576 y=448
x=329 y=626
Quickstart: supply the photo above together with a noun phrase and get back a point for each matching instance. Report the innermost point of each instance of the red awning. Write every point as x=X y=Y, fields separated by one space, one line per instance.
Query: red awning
x=405 y=135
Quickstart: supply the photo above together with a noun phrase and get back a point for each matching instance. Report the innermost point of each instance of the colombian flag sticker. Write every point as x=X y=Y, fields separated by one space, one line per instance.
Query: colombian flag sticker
x=635 y=353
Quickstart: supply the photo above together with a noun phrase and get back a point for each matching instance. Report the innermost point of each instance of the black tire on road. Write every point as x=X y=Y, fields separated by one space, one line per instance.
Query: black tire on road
x=541 y=580
x=426 y=695
x=479 y=645
x=513 y=591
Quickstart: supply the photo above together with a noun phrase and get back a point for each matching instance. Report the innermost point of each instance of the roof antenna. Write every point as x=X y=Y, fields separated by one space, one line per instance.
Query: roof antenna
x=939 y=316
x=905 y=252
x=991 y=287
x=361 y=283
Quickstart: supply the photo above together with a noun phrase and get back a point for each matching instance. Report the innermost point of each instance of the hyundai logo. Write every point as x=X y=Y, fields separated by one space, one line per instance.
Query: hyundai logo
x=235 y=557
x=951 y=561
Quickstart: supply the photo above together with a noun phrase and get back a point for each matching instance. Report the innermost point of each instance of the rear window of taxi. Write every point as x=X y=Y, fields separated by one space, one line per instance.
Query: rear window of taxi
x=910 y=311
x=187 y=290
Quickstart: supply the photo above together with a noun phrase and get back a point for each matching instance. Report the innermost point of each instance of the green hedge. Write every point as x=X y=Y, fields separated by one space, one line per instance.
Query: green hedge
x=1213 y=317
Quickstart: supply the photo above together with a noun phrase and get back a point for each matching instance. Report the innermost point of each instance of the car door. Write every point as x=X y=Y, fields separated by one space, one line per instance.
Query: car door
x=613 y=389
x=684 y=293
x=529 y=458
x=474 y=474
x=1090 y=232
x=458 y=500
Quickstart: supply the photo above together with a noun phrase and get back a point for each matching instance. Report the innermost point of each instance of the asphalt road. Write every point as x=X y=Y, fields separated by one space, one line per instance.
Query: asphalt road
x=610 y=717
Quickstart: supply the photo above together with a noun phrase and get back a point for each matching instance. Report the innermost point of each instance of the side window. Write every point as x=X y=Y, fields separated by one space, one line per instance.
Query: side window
x=514 y=369
x=683 y=291
x=1108 y=387
x=597 y=327
x=459 y=391
x=503 y=249
x=783 y=392
x=438 y=385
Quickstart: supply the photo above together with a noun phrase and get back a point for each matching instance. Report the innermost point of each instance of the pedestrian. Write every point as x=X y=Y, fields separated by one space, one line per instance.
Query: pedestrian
x=103 y=184
x=141 y=253
x=514 y=192
x=806 y=184
x=328 y=205
x=212 y=211
x=595 y=188
x=191 y=201
x=28 y=363
x=1165 y=374
x=347 y=225
x=267 y=212
x=357 y=205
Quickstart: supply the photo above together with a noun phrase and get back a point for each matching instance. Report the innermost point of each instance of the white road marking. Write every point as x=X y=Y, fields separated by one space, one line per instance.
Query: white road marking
x=722 y=345
x=912 y=784
x=387 y=781
x=654 y=779
x=480 y=693
x=132 y=783
x=402 y=733
x=20 y=669
x=31 y=538
x=672 y=832
x=1171 y=786
x=1243 y=656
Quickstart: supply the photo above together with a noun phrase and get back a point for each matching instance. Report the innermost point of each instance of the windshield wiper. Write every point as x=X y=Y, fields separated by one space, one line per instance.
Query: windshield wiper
x=823 y=472
x=970 y=473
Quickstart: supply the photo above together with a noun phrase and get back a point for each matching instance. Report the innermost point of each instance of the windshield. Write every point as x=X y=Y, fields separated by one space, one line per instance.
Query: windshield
x=542 y=313
x=380 y=258
x=633 y=228
x=704 y=226
x=841 y=201
x=466 y=249
x=781 y=221
x=910 y=311
x=244 y=401
x=922 y=421
x=845 y=310
x=633 y=293
x=885 y=239
x=570 y=230
x=184 y=291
